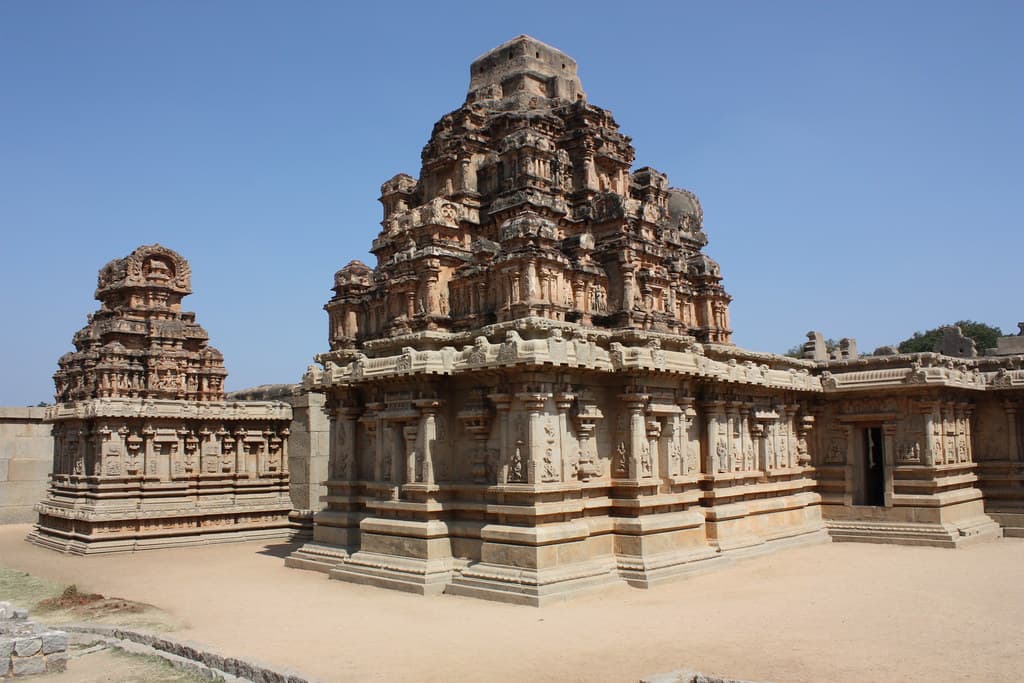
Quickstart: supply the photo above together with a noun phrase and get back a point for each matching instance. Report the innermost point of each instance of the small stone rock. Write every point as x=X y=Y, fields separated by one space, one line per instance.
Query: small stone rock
x=54 y=641
x=27 y=666
x=57 y=662
x=26 y=647
x=6 y=650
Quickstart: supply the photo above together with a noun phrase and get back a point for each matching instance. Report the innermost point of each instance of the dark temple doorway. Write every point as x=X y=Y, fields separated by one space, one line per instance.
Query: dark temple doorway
x=873 y=492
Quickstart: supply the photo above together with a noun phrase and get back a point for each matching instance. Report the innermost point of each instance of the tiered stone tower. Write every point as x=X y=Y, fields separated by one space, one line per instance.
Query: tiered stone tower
x=140 y=344
x=147 y=453
x=526 y=206
x=534 y=391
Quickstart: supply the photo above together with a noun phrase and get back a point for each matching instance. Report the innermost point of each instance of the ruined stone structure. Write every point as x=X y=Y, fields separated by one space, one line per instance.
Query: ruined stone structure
x=147 y=453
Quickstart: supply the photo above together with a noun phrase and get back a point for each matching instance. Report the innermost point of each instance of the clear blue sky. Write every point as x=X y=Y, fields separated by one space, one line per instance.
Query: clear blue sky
x=860 y=164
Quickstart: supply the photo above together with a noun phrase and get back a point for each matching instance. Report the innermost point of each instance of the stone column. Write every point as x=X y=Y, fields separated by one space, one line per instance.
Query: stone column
x=534 y=403
x=757 y=435
x=688 y=421
x=628 y=286
x=563 y=401
x=649 y=465
x=638 y=445
x=928 y=457
x=889 y=435
x=241 y=463
x=1012 y=441
x=531 y=282
x=346 y=445
x=414 y=465
x=154 y=467
x=374 y=426
x=713 y=414
x=428 y=435
x=948 y=444
x=502 y=404
x=587 y=416
x=283 y=436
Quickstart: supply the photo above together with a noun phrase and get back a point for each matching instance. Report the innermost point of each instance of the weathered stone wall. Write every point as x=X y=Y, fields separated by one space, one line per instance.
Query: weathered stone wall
x=309 y=444
x=26 y=454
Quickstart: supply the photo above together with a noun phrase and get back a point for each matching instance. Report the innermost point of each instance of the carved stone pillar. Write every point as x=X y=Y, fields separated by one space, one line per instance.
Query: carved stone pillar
x=587 y=415
x=1012 y=436
x=154 y=466
x=638 y=446
x=716 y=449
x=948 y=435
x=803 y=449
x=690 y=446
x=929 y=456
x=757 y=435
x=889 y=435
x=649 y=464
x=347 y=456
x=414 y=465
x=371 y=426
x=476 y=421
x=531 y=284
x=241 y=462
x=534 y=403
x=428 y=437
x=564 y=401
x=503 y=404
x=628 y=286
x=791 y=438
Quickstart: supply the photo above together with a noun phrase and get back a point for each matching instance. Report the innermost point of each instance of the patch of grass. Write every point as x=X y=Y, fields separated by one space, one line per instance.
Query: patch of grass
x=26 y=591
x=153 y=669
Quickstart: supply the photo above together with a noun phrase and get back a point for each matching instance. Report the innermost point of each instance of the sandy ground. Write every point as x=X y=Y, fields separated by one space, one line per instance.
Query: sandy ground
x=830 y=612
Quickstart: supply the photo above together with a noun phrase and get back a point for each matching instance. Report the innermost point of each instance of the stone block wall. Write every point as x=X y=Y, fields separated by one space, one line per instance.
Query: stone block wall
x=26 y=648
x=309 y=444
x=26 y=456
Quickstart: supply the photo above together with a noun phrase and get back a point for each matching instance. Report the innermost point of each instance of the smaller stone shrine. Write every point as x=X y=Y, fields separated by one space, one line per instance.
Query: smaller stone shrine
x=147 y=452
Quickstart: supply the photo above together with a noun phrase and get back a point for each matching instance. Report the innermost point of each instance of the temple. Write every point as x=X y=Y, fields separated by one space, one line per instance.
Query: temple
x=147 y=452
x=534 y=391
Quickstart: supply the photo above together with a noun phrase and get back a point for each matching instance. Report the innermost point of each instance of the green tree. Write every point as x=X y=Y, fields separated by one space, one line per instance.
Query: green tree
x=984 y=336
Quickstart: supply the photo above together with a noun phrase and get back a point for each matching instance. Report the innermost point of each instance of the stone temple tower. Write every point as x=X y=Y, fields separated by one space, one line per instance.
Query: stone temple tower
x=147 y=452
x=534 y=390
x=526 y=206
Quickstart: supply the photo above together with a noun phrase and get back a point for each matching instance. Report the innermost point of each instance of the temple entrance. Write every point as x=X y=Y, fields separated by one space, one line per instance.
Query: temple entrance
x=872 y=468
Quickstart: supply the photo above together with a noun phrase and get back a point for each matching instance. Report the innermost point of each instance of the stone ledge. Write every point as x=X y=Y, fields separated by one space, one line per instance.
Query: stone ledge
x=206 y=661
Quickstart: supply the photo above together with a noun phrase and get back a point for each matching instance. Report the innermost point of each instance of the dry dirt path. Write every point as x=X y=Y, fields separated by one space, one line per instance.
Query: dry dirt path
x=831 y=612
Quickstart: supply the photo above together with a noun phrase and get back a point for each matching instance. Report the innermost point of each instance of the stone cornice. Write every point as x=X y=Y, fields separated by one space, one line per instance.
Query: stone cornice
x=169 y=409
x=584 y=351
